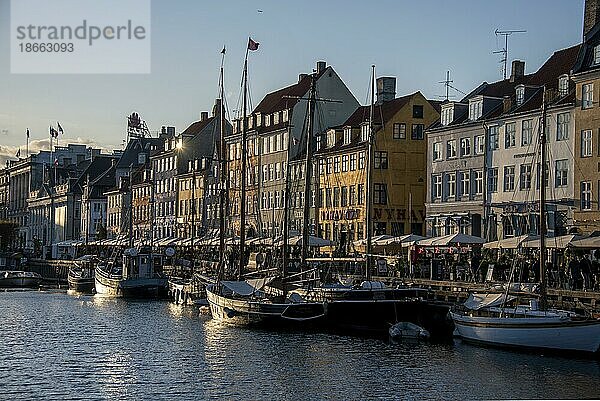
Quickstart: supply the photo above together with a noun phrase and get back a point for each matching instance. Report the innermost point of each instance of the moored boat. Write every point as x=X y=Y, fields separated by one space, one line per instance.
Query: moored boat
x=81 y=275
x=19 y=279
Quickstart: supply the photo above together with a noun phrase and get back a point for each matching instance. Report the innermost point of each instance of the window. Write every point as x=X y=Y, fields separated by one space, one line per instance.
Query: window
x=597 y=54
x=417 y=131
x=336 y=197
x=451 y=149
x=352 y=161
x=352 y=195
x=475 y=109
x=364 y=131
x=465 y=183
x=525 y=177
x=526 y=132
x=417 y=111
x=347 y=135
x=561 y=172
x=520 y=94
x=380 y=194
x=587 y=96
x=446 y=117
x=493 y=179
x=336 y=164
x=329 y=165
x=361 y=194
x=328 y=199
x=380 y=160
x=509 y=178
x=479 y=144
x=563 y=85
x=478 y=182
x=509 y=135
x=493 y=135
x=437 y=151
x=586 y=195
x=562 y=126
x=465 y=147
x=344 y=162
x=399 y=131
x=451 y=185
x=436 y=181
x=361 y=160
x=344 y=201
x=586 y=143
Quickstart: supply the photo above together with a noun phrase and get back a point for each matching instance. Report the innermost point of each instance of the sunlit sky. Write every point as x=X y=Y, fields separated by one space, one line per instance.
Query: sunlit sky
x=416 y=41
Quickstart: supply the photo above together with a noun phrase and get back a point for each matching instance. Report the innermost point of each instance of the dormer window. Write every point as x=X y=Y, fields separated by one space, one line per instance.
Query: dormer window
x=285 y=116
x=520 y=94
x=447 y=115
x=597 y=55
x=275 y=118
x=347 y=135
x=364 y=132
x=475 y=109
x=563 y=85
x=331 y=138
x=267 y=120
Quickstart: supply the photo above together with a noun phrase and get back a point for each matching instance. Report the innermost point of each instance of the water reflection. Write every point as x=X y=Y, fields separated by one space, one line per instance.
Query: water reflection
x=55 y=346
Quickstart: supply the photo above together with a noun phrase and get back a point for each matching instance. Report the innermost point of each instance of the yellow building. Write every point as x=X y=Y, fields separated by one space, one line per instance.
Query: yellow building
x=190 y=196
x=399 y=171
x=586 y=75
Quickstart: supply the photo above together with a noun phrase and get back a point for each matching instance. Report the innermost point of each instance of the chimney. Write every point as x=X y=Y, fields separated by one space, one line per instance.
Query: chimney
x=591 y=15
x=171 y=131
x=203 y=115
x=301 y=77
x=386 y=89
x=506 y=104
x=517 y=70
x=321 y=65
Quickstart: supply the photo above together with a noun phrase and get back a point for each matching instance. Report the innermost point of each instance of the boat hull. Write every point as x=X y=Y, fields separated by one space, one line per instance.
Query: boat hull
x=19 y=279
x=558 y=334
x=130 y=287
x=240 y=312
x=81 y=285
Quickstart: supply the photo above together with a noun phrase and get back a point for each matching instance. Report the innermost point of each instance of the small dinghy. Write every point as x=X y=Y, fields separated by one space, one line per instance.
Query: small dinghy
x=404 y=330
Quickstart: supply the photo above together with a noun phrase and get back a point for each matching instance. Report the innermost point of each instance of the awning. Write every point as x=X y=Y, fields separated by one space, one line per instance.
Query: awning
x=562 y=241
x=509 y=243
x=312 y=241
x=590 y=242
x=452 y=239
x=239 y=287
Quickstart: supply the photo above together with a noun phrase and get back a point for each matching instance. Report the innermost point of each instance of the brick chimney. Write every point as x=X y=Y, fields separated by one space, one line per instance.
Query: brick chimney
x=386 y=89
x=321 y=65
x=203 y=115
x=216 y=107
x=517 y=70
x=591 y=15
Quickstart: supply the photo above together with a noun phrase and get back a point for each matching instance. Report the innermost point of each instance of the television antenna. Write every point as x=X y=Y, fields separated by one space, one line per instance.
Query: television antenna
x=448 y=84
x=504 y=51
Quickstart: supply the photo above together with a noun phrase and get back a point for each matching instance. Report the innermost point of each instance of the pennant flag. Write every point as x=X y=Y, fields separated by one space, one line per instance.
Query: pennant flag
x=60 y=129
x=223 y=51
x=27 y=133
x=53 y=132
x=18 y=155
x=56 y=162
x=252 y=45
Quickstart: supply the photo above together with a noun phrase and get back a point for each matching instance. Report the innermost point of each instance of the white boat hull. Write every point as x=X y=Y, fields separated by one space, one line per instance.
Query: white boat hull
x=551 y=333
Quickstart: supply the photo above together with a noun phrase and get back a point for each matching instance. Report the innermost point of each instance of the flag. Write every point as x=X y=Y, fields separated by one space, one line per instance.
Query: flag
x=223 y=51
x=60 y=128
x=27 y=133
x=252 y=45
x=56 y=162
x=18 y=155
x=295 y=141
x=53 y=132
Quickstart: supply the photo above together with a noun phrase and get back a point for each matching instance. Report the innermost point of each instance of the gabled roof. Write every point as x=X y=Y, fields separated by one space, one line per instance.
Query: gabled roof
x=135 y=147
x=198 y=126
x=284 y=98
x=385 y=110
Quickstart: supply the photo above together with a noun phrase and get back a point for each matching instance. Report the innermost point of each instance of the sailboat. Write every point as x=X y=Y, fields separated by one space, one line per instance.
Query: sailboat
x=372 y=307
x=489 y=319
x=247 y=302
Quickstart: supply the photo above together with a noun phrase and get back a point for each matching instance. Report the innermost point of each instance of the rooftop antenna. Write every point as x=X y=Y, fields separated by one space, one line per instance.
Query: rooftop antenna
x=504 y=51
x=448 y=84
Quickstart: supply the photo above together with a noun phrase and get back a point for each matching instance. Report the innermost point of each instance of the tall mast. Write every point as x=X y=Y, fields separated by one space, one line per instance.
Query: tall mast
x=130 y=206
x=308 y=168
x=223 y=165
x=286 y=214
x=368 y=193
x=543 y=204
x=243 y=156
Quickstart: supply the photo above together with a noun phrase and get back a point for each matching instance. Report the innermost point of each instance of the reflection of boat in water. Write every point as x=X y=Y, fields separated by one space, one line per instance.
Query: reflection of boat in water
x=408 y=330
x=138 y=277
x=81 y=275
x=19 y=279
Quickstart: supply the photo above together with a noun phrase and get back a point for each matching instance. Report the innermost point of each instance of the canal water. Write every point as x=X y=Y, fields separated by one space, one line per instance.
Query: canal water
x=58 y=346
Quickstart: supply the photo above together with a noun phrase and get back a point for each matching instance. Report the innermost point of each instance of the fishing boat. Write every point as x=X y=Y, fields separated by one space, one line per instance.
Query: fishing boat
x=247 y=302
x=81 y=275
x=139 y=276
x=501 y=320
x=19 y=279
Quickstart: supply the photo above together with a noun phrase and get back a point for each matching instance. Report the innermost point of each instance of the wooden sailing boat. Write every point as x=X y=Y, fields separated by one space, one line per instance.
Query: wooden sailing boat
x=245 y=302
x=372 y=307
x=488 y=319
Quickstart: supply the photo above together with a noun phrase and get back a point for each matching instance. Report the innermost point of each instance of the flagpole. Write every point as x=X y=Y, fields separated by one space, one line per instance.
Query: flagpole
x=27 y=143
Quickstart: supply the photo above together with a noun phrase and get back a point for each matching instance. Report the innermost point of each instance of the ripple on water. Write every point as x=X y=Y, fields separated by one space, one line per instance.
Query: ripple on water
x=59 y=346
